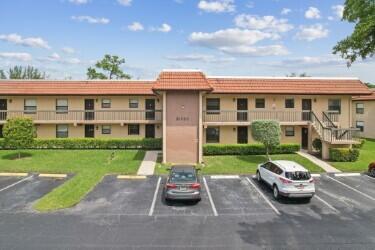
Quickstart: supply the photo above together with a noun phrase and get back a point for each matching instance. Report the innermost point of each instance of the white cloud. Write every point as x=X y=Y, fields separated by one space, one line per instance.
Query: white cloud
x=312 y=32
x=338 y=10
x=217 y=6
x=79 y=2
x=89 y=19
x=201 y=57
x=55 y=57
x=270 y=50
x=309 y=61
x=135 y=26
x=125 y=2
x=68 y=50
x=285 y=11
x=312 y=13
x=268 y=23
x=36 y=42
x=165 y=28
x=19 y=56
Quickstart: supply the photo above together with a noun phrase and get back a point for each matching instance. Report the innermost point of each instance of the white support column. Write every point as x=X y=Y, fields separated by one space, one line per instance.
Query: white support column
x=164 y=127
x=200 y=130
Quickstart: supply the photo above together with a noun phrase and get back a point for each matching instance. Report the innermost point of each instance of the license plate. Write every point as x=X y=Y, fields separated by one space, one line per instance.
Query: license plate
x=300 y=186
x=183 y=188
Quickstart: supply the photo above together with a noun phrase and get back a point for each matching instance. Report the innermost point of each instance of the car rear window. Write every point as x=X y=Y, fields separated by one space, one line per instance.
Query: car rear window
x=182 y=176
x=298 y=175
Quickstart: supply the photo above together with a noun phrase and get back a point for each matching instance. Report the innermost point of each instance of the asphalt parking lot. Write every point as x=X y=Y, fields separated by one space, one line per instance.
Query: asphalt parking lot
x=236 y=212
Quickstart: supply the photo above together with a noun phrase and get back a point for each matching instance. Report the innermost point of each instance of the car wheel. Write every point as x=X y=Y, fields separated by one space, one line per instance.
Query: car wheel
x=372 y=172
x=259 y=178
x=276 y=193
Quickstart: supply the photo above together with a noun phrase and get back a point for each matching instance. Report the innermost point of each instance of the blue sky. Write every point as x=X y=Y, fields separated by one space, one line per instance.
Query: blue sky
x=221 y=37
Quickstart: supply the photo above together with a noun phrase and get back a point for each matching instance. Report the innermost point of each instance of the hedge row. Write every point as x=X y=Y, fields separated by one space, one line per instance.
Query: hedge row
x=247 y=149
x=343 y=154
x=92 y=143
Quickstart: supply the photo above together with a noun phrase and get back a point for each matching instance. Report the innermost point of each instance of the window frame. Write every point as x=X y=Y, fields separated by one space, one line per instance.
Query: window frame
x=106 y=105
x=133 y=130
x=62 y=109
x=209 y=139
x=292 y=103
x=289 y=133
x=133 y=103
x=362 y=109
x=106 y=129
x=30 y=109
x=331 y=106
x=59 y=133
x=361 y=128
x=213 y=109
x=263 y=102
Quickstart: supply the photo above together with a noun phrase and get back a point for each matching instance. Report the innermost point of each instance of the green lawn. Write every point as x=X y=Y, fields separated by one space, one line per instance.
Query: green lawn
x=88 y=167
x=242 y=164
x=367 y=155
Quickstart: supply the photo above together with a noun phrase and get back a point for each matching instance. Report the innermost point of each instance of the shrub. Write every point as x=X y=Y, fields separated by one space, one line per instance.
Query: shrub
x=343 y=154
x=247 y=149
x=362 y=142
x=266 y=132
x=92 y=143
x=317 y=144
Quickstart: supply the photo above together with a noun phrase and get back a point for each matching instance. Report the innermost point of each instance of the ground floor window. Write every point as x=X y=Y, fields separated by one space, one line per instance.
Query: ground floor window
x=360 y=125
x=289 y=131
x=212 y=135
x=133 y=129
x=106 y=129
x=1 y=131
x=62 y=131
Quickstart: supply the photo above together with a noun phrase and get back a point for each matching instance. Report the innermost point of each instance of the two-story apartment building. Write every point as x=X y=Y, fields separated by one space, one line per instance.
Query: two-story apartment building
x=187 y=109
x=364 y=115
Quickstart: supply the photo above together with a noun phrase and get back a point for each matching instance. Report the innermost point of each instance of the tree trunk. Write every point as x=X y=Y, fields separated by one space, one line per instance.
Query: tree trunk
x=268 y=156
x=19 y=155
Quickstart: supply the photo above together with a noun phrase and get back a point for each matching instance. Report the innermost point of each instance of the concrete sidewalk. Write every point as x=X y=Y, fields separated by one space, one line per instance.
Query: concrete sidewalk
x=324 y=165
x=148 y=164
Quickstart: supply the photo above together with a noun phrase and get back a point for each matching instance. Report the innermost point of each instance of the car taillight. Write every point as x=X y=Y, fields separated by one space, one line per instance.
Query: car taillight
x=171 y=186
x=195 y=185
x=285 y=181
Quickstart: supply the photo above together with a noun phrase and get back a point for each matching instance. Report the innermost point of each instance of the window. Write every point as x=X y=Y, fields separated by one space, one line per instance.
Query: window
x=1 y=131
x=275 y=169
x=360 y=108
x=106 y=129
x=106 y=103
x=133 y=129
x=133 y=103
x=61 y=131
x=30 y=106
x=62 y=106
x=360 y=125
x=213 y=106
x=289 y=103
x=334 y=105
x=298 y=176
x=212 y=135
x=289 y=131
x=260 y=103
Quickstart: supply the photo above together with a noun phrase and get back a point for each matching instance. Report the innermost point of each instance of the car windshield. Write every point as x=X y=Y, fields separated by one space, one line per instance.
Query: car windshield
x=298 y=175
x=182 y=176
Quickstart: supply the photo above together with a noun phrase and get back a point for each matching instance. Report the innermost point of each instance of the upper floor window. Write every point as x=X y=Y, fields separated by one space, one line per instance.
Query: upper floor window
x=334 y=105
x=133 y=103
x=213 y=105
x=213 y=135
x=359 y=108
x=62 y=131
x=360 y=125
x=30 y=106
x=106 y=129
x=106 y=103
x=133 y=129
x=289 y=131
x=289 y=103
x=260 y=103
x=61 y=105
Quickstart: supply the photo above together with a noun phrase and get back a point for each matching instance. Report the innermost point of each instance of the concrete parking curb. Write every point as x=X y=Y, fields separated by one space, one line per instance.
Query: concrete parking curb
x=14 y=174
x=131 y=177
x=58 y=176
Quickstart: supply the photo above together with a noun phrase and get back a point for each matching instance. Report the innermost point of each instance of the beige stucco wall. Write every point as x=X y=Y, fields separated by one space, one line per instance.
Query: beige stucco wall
x=368 y=118
x=277 y=102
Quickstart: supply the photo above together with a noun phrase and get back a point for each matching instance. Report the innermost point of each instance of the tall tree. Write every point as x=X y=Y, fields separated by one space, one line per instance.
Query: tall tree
x=361 y=43
x=29 y=72
x=304 y=74
x=2 y=74
x=110 y=67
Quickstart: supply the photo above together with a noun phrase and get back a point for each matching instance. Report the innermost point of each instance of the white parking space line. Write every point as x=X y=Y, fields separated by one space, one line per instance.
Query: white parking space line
x=327 y=204
x=353 y=189
x=369 y=177
x=347 y=174
x=210 y=197
x=263 y=196
x=18 y=182
x=151 y=212
x=224 y=177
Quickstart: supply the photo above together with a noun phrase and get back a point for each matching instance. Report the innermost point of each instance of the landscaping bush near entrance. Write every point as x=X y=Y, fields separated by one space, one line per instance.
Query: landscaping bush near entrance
x=91 y=143
x=343 y=154
x=247 y=149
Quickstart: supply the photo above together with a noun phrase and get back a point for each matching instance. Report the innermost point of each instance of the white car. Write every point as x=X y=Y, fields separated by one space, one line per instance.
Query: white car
x=287 y=178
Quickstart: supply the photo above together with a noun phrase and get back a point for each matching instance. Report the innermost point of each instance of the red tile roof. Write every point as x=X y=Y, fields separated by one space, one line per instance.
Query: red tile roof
x=286 y=85
x=182 y=80
x=365 y=97
x=51 y=87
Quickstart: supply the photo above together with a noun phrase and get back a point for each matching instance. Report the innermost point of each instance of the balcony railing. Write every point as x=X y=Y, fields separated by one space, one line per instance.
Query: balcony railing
x=250 y=116
x=88 y=115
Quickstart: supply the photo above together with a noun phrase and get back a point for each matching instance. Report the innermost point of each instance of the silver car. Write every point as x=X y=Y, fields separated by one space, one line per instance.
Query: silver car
x=182 y=183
